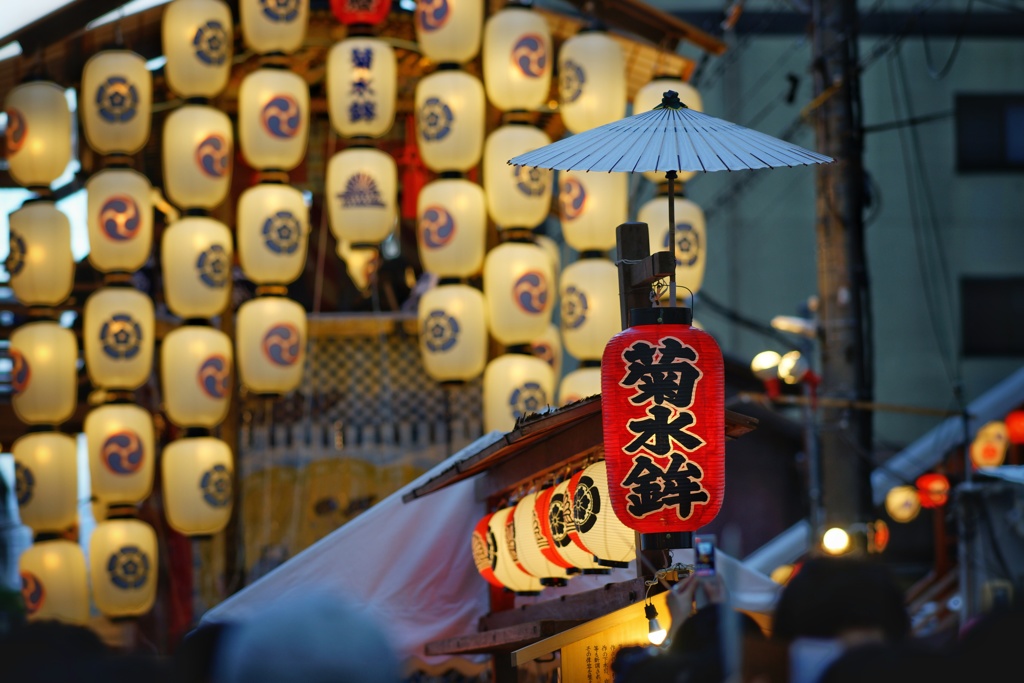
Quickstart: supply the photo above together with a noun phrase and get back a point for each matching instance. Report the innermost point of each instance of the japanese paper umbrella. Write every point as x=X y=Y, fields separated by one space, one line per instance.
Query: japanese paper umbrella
x=669 y=138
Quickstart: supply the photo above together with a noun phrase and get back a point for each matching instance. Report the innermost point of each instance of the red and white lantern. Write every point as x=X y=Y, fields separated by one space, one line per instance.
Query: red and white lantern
x=562 y=525
x=535 y=552
x=598 y=529
x=485 y=550
x=507 y=567
x=356 y=12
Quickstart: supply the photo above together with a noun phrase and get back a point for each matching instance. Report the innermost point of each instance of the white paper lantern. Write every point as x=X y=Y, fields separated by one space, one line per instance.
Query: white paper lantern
x=520 y=289
x=116 y=102
x=579 y=384
x=563 y=530
x=38 y=133
x=273 y=119
x=518 y=58
x=361 y=263
x=515 y=385
x=362 y=86
x=270 y=344
x=691 y=238
x=198 y=41
x=611 y=541
x=531 y=545
x=197 y=485
x=507 y=568
x=44 y=374
x=517 y=196
x=197 y=155
x=120 y=219
x=117 y=336
x=197 y=256
x=552 y=249
x=123 y=564
x=273 y=228
x=46 y=481
x=548 y=347
x=903 y=503
x=650 y=95
x=122 y=452
x=453 y=332
x=362 y=195
x=54 y=582
x=591 y=80
x=449 y=30
x=40 y=262
x=196 y=364
x=274 y=25
x=591 y=206
x=451 y=219
x=589 y=303
x=450 y=120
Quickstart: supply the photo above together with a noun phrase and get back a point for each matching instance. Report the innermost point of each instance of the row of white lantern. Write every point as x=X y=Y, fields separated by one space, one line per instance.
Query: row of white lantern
x=551 y=535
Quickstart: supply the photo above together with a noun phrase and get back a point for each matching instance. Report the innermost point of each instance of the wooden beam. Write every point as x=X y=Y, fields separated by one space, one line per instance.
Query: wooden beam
x=500 y=640
x=579 y=606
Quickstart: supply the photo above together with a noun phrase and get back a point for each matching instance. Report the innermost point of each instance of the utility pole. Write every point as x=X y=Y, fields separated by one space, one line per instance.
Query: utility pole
x=844 y=300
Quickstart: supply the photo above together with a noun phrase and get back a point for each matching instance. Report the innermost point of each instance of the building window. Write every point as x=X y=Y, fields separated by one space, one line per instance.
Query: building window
x=990 y=133
x=992 y=311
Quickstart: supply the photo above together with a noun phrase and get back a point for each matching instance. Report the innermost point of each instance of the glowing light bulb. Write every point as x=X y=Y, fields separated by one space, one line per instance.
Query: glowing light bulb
x=835 y=541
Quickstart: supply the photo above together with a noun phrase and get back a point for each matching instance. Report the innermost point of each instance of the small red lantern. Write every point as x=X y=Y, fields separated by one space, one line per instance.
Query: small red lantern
x=485 y=551
x=663 y=402
x=933 y=489
x=1015 y=425
x=369 y=12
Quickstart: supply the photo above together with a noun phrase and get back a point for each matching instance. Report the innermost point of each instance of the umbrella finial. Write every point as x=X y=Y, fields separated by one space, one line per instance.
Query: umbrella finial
x=670 y=100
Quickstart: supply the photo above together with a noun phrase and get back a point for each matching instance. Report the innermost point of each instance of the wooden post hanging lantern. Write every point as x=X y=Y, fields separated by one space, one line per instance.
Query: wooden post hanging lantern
x=534 y=551
x=518 y=59
x=453 y=332
x=663 y=402
x=360 y=12
x=270 y=344
x=46 y=481
x=507 y=568
x=198 y=148
x=564 y=535
x=196 y=255
x=116 y=102
x=274 y=26
x=120 y=219
x=451 y=218
x=197 y=485
x=650 y=95
x=450 y=120
x=362 y=86
x=122 y=452
x=44 y=376
x=517 y=196
x=272 y=232
x=40 y=262
x=196 y=363
x=449 y=31
x=118 y=329
x=38 y=133
x=591 y=80
x=198 y=40
x=691 y=238
x=54 y=582
x=599 y=529
x=123 y=564
x=590 y=206
x=362 y=195
x=485 y=550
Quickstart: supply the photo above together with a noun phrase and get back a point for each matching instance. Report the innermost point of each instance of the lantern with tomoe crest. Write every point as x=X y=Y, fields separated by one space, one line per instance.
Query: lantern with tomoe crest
x=122 y=452
x=198 y=148
x=270 y=344
x=38 y=133
x=120 y=219
x=54 y=581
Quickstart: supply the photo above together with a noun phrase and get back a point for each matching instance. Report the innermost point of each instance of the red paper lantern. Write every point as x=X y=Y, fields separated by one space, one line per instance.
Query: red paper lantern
x=369 y=12
x=663 y=402
x=485 y=551
x=1015 y=425
x=933 y=489
x=549 y=547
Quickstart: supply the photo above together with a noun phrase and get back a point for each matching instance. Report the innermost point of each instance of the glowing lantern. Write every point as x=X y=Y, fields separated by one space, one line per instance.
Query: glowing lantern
x=589 y=296
x=517 y=59
x=196 y=255
x=453 y=332
x=122 y=452
x=118 y=330
x=877 y=536
x=40 y=262
x=517 y=196
x=449 y=30
x=54 y=582
x=1015 y=426
x=534 y=551
x=46 y=481
x=120 y=219
x=270 y=26
x=564 y=534
x=198 y=40
x=485 y=551
x=579 y=384
x=989 y=446
x=44 y=376
x=450 y=120
x=548 y=347
x=195 y=375
x=362 y=191
x=933 y=489
x=197 y=154
x=197 y=485
x=518 y=283
x=600 y=531
x=591 y=80
x=663 y=404
x=123 y=564
x=116 y=102
x=691 y=237
x=361 y=264
x=903 y=503
x=451 y=218
x=271 y=344
x=507 y=568
x=649 y=96
x=360 y=12
x=38 y=133
x=515 y=385
x=591 y=206
x=273 y=118
x=272 y=228
x=362 y=86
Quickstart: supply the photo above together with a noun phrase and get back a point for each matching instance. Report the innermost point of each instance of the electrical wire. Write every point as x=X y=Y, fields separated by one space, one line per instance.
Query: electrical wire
x=939 y=74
